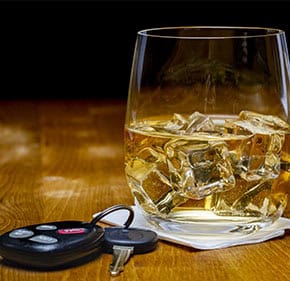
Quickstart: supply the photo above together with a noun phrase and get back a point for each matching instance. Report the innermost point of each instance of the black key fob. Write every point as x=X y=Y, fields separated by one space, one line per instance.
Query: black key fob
x=52 y=244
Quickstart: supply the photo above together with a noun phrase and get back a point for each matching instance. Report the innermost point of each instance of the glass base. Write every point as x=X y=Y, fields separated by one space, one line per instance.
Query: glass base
x=201 y=222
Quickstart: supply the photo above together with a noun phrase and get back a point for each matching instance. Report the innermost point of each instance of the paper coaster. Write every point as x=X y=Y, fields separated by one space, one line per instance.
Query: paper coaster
x=202 y=241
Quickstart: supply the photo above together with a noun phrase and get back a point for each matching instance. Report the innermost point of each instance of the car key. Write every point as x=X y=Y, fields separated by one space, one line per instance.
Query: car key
x=56 y=244
x=124 y=242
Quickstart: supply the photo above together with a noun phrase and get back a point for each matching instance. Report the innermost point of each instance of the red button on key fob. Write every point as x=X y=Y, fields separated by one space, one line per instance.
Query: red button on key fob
x=72 y=231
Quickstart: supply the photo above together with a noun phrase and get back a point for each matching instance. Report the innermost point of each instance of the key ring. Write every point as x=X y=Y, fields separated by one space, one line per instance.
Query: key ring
x=113 y=209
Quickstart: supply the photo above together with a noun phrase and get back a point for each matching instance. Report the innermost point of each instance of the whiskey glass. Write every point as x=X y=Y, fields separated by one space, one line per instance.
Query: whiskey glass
x=207 y=135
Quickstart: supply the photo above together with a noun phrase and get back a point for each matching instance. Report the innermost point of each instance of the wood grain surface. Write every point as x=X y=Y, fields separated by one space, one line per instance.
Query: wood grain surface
x=64 y=160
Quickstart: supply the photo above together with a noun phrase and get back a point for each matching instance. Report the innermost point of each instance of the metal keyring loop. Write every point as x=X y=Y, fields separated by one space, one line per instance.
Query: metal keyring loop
x=113 y=209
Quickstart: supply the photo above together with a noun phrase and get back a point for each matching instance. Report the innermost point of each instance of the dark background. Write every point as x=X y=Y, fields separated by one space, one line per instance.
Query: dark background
x=84 y=49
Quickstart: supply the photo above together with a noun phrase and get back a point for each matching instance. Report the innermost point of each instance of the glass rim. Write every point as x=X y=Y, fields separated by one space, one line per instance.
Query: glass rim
x=272 y=32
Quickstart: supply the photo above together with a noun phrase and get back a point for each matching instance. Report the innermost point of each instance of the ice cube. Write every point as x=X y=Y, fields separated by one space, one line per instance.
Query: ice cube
x=139 y=169
x=255 y=123
x=182 y=125
x=265 y=122
x=203 y=167
x=260 y=156
x=198 y=122
x=177 y=123
x=247 y=199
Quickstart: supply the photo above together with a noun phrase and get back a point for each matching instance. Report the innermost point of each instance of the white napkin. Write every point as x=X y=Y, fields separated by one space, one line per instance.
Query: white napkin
x=201 y=241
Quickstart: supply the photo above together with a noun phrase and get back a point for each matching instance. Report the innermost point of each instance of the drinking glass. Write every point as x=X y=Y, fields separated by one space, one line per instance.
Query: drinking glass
x=207 y=135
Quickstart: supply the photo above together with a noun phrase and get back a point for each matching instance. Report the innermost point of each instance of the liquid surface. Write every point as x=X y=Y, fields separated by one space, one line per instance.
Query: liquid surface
x=202 y=168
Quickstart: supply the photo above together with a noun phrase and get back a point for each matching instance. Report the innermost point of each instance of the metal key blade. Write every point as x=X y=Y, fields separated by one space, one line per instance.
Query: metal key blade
x=121 y=255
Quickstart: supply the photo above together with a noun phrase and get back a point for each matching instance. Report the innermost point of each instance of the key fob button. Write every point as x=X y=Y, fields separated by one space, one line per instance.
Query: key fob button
x=46 y=227
x=21 y=233
x=72 y=231
x=44 y=239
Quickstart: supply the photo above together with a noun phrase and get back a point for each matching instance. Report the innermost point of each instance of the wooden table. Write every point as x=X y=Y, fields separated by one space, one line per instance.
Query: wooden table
x=64 y=160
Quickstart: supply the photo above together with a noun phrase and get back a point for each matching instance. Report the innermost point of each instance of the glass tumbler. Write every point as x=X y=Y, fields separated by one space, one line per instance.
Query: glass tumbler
x=207 y=135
